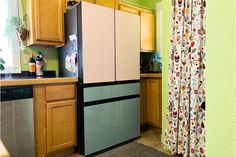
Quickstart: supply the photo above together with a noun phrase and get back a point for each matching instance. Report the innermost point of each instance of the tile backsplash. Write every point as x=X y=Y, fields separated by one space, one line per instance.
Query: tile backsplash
x=145 y=61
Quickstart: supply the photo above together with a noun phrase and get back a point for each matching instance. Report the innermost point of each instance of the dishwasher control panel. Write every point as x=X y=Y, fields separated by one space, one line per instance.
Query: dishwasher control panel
x=16 y=92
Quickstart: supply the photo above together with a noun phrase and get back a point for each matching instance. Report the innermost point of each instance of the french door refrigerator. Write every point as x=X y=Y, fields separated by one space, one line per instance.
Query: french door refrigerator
x=102 y=50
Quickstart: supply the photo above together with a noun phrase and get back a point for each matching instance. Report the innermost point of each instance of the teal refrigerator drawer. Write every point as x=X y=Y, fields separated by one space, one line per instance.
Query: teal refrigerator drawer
x=111 y=91
x=111 y=123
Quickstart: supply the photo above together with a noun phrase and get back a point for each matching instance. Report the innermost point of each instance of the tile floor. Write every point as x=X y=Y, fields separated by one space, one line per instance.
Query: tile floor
x=150 y=136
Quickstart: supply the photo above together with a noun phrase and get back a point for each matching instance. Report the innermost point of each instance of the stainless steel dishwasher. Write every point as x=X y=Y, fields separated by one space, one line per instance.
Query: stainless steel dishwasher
x=17 y=120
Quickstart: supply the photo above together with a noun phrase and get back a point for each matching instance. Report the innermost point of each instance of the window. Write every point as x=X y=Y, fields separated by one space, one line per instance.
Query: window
x=9 y=45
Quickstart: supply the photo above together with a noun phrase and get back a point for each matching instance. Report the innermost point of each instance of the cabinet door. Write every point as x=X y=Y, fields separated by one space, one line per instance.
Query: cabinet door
x=153 y=90
x=143 y=104
x=48 y=21
x=128 y=9
x=127 y=46
x=60 y=125
x=98 y=43
x=106 y=3
x=147 y=30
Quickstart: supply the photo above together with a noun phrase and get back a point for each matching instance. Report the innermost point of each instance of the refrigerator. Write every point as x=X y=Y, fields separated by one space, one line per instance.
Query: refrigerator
x=102 y=50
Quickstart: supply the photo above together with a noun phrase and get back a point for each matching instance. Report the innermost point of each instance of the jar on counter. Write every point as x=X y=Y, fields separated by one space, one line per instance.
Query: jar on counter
x=39 y=65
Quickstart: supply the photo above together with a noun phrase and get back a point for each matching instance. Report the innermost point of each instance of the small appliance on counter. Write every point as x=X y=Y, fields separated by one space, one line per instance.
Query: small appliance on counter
x=156 y=64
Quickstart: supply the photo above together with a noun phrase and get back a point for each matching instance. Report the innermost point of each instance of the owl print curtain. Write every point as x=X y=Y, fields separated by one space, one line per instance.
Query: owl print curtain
x=185 y=132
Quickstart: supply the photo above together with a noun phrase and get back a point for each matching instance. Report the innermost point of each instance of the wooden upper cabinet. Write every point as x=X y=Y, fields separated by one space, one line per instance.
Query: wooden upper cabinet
x=147 y=25
x=46 y=22
x=127 y=8
x=90 y=1
x=60 y=125
x=147 y=30
x=106 y=3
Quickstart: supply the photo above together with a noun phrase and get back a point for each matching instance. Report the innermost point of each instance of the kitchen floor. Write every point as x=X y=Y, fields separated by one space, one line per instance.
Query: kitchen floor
x=150 y=136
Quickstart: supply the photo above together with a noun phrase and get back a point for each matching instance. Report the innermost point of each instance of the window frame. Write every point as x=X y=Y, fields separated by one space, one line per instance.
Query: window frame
x=13 y=60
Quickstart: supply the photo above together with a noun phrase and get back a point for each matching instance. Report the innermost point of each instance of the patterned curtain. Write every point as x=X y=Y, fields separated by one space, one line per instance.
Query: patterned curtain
x=185 y=132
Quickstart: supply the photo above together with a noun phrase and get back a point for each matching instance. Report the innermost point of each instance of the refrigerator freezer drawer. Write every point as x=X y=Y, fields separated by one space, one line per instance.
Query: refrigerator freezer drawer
x=111 y=123
x=111 y=91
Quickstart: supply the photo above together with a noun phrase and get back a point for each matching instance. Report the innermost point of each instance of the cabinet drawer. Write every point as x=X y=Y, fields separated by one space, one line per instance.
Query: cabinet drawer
x=60 y=92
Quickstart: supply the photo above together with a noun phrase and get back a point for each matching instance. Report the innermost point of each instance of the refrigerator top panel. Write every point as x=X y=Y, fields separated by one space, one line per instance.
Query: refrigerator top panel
x=98 y=51
x=127 y=46
x=89 y=51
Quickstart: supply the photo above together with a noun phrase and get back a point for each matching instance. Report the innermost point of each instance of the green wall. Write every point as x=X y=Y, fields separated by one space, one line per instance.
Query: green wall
x=221 y=75
x=166 y=28
x=151 y=4
x=51 y=56
x=221 y=78
x=133 y=1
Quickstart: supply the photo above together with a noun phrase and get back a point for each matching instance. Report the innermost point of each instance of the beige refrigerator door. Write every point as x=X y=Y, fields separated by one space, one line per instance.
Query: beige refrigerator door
x=127 y=40
x=98 y=43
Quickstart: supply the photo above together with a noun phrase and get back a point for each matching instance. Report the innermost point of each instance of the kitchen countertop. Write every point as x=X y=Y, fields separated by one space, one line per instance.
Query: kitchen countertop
x=35 y=81
x=151 y=75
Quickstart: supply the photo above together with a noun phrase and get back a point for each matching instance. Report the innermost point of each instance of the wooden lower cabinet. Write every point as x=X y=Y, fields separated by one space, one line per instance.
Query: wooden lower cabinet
x=60 y=125
x=143 y=107
x=55 y=118
x=151 y=101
